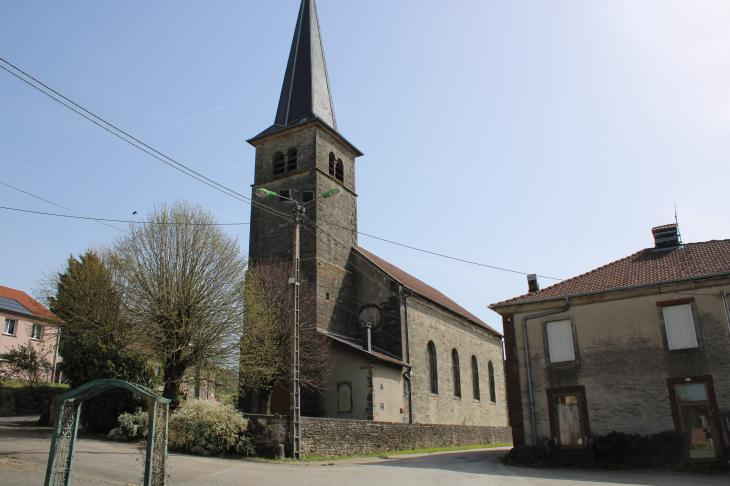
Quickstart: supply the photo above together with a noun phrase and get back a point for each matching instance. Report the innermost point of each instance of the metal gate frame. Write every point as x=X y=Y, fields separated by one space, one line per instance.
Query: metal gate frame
x=66 y=425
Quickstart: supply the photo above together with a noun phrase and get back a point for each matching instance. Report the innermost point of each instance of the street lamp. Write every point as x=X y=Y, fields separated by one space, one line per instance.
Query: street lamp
x=295 y=402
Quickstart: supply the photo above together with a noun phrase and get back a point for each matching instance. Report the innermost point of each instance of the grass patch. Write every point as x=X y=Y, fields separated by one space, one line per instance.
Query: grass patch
x=385 y=455
x=19 y=385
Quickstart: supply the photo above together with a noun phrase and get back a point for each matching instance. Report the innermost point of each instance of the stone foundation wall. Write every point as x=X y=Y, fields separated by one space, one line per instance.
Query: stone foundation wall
x=337 y=437
x=268 y=431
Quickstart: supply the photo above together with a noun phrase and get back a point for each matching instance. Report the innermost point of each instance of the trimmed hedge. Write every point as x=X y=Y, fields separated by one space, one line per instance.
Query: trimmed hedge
x=618 y=449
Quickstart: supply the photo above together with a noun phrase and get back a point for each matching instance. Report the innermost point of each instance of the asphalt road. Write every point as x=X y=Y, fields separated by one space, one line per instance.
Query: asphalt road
x=24 y=454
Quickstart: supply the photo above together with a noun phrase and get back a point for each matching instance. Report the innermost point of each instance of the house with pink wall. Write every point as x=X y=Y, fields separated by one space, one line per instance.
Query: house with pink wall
x=24 y=320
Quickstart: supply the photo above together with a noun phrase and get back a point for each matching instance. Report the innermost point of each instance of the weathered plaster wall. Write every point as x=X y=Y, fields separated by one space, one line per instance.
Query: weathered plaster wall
x=391 y=396
x=428 y=322
x=354 y=369
x=623 y=360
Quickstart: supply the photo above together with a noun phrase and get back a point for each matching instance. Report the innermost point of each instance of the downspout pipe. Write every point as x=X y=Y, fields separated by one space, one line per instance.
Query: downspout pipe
x=723 y=296
x=407 y=375
x=527 y=360
x=55 y=356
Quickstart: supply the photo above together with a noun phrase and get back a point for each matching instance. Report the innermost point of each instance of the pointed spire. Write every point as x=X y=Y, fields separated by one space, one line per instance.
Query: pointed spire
x=306 y=89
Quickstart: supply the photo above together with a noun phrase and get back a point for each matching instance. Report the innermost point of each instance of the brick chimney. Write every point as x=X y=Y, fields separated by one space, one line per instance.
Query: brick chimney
x=532 y=284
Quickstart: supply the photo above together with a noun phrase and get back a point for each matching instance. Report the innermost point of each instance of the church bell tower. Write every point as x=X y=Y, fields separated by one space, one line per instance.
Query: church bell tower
x=301 y=156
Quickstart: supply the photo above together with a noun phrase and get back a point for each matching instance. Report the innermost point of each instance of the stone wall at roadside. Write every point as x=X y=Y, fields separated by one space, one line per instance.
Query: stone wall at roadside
x=268 y=431
x=336 y=437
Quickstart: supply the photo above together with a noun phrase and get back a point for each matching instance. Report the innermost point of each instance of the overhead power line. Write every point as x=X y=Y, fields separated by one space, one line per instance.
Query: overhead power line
x=121 y=220
x=200 y=177
x=441 y=255
x=62 y=207
x=160 y=156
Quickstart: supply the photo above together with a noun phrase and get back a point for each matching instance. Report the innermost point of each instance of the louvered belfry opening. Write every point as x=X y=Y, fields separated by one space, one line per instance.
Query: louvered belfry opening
x=666 y=236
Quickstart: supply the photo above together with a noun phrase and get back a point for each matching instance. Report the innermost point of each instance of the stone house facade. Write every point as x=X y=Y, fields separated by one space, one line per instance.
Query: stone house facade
x=638 y=346
x=381 y=320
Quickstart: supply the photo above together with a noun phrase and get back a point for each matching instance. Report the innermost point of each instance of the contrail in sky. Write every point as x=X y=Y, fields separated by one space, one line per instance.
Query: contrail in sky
x=187 y=119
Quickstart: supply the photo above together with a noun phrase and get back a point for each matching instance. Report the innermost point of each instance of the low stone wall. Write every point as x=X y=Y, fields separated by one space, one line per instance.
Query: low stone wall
x=268 y=431
x=335 y=437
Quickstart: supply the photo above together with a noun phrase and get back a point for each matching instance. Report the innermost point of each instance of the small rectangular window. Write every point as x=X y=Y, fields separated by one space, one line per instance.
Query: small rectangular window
x=680 y=326
x=327 y=296
x=308 y=196
x=560 y=341
x=11 y=327
x=285 y=194
x=37 y=332
x=382 y=406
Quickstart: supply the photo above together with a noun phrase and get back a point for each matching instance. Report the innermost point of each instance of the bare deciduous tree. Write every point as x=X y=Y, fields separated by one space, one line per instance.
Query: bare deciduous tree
x=266 y=340
x=184 y=282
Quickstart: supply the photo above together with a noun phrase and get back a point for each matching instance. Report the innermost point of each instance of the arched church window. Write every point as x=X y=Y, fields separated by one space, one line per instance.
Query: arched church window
x=344 y=396
x=433 y=377
x=340 y=171
x=475 y=378
x=456 y=372
x=332 y=164
x=278 y=164
x=291 y=160
x=492 y=390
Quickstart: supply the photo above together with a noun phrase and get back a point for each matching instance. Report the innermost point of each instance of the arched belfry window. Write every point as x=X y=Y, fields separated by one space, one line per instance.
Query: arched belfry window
x=332 y=164
x=475 y=378
x=456 y=372
x=279 y=163
x=291 y=160
x=492 y=390
x=340 y=171
x=433 y=376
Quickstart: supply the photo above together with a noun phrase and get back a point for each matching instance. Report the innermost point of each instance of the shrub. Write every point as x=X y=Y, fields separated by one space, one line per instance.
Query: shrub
x=618 y=449
x=525 y=455
x=87 y=360
x=207 y=428
x=27 y=364
x=132 y=426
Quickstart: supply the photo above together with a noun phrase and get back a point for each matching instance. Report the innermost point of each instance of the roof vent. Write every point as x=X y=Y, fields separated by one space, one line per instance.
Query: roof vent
x=666 y=236
x=532 y=284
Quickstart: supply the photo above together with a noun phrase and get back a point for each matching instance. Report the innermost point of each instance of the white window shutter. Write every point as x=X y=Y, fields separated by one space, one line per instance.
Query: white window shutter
x=560 y=341
x=680 y=326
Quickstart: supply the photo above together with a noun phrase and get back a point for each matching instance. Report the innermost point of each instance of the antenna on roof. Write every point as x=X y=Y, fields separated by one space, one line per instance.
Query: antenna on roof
x=676 y=221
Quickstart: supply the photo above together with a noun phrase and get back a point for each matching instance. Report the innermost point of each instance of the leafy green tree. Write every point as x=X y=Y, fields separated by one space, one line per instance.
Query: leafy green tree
x=89 y=301
x=86 y=360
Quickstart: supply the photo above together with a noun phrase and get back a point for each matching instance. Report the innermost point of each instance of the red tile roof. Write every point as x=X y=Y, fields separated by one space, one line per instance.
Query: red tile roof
x=650 y=266
x=28 y=302
x=422 y=289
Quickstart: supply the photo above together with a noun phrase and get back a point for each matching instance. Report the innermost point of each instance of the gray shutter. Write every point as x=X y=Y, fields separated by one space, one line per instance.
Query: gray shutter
x=680 y=326
x=560 y=341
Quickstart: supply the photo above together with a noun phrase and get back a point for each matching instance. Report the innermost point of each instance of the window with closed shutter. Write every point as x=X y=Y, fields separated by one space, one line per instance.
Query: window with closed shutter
x=560 y=341
x=680 y=326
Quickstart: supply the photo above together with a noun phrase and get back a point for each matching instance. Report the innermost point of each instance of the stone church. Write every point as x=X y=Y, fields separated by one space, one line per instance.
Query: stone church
x=404 y=351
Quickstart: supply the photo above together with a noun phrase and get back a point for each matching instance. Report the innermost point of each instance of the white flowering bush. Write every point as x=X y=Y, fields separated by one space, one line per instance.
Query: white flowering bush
x=207 y=428
x=132 y=426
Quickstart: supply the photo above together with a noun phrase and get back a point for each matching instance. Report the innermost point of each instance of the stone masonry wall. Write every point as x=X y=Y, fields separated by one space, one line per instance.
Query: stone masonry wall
x=268 y=431
x=336 y=437
x=428 y=322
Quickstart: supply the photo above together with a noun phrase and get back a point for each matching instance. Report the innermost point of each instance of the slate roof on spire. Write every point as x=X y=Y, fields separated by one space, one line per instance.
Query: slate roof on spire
x=305 y=95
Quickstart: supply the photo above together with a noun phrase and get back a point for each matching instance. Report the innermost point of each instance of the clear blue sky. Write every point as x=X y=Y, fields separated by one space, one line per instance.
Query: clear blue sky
x=544 y=137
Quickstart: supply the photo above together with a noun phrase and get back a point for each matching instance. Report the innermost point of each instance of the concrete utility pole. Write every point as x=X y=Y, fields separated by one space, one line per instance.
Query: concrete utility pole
x=295 y=402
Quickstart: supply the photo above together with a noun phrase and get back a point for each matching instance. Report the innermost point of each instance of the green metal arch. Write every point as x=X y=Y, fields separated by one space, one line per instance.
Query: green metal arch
x=66 y=424
x=93 y=388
